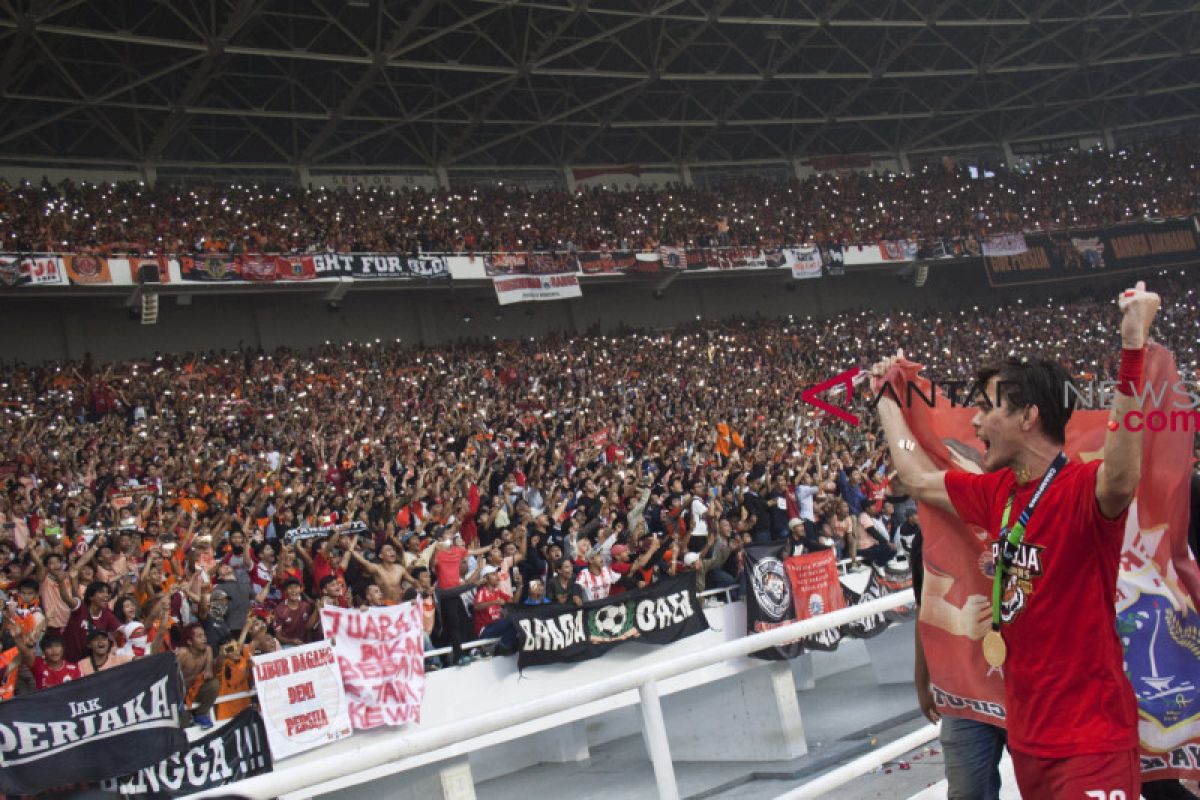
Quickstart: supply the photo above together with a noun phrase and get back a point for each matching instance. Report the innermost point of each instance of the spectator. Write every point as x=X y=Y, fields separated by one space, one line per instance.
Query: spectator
x=597 y=579
x=92 y=614
x=295 y=617
x=100 y=654
x=196 y=665
x=562 y=587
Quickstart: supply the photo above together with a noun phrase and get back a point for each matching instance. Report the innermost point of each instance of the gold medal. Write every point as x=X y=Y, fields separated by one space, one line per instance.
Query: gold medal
x=994 y=649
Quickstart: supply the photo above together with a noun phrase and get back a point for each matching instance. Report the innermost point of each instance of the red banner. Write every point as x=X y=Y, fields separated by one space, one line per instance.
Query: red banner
x=816 y=587
x=257 y=267
x=295 y=268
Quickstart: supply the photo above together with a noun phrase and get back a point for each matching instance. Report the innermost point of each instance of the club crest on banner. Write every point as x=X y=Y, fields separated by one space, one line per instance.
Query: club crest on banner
x=1161 y=637
x=772 y=587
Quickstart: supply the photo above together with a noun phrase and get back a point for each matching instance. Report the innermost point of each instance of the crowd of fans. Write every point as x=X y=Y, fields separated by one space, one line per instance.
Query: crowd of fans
x=211 y=503
x=1080 y=189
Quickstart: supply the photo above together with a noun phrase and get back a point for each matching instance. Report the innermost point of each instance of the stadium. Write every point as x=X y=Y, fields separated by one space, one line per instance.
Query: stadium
x=483 y=398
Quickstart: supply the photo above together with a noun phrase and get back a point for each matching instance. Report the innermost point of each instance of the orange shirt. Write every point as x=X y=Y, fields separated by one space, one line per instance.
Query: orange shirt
x=8 y=679
x=235 y=677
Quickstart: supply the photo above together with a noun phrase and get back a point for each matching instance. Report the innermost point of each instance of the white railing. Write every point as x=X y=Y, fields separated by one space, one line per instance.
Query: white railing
x=862 y=765
x=466 y=647
x=317 y=769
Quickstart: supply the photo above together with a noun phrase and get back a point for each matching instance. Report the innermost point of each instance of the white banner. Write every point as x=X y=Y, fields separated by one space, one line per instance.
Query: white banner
x=804 y=261
x=302 y=699
x=20 y=270
x=880 y=253
x=531 y=288
x=1004 y=244
x=381 y=655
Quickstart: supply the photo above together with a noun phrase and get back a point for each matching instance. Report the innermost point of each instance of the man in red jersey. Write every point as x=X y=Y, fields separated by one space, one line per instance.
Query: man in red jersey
x=50 y=668
x=1072 y=714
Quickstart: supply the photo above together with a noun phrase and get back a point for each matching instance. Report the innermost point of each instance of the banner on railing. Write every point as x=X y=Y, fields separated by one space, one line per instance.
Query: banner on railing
x=879 y=253
x=811 y=584
x=87 y=270
x=302 y=698
x=372 y=266
x=141 y=269
x=673 y=258
x=804 y=261
x=536 y=288
x=1157 y=594
x=1067 y=255
x=770 y=602
x=657 y=614
x=381 y=655
x=236 y=751
x=834 y=261
x=31 y=270
x=88 y=730
x=1010 y=258
x=1004 y=244
x=608 y=262
x=210 y=269
x=498 y=264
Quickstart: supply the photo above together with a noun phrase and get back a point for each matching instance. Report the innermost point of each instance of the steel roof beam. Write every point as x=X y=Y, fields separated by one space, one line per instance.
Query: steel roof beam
x=368 y=76
x=203 y=76
x=495 y=99
x=813 y=21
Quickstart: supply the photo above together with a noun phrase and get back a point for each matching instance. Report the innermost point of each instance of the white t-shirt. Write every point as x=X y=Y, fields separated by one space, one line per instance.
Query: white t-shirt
x=699 y=522
x=804 y=496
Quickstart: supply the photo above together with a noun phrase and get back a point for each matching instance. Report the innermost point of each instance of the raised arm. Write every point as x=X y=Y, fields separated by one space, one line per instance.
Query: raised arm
x=1118 y=476
x=926 y=482
x=362 y=562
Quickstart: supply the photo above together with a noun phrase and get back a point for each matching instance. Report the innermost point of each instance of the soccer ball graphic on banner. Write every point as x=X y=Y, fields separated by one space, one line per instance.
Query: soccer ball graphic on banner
x=611 y=622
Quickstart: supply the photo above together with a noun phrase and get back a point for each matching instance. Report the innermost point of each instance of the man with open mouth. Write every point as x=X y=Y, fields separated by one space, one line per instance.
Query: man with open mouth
x=1072 y=714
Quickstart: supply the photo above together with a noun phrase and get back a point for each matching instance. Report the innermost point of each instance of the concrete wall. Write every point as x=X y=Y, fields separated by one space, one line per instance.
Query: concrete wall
x=37 y=328
x=623 y=180
x=34 y=173
x=741 y=709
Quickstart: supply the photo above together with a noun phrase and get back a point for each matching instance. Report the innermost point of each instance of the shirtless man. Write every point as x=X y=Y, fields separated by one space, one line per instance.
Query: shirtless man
x=199 y=674
x=389 y=574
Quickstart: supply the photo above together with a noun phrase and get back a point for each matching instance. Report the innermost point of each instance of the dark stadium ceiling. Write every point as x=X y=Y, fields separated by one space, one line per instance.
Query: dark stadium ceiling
x=457 y=83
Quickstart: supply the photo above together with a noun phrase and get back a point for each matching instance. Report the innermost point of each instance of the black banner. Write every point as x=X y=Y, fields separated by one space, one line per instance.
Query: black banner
x=835 y=261
x=1089 y=254
x=237 y=750
x=292 y=535
x=768 y=591
x=379 y=265
x=210 y=268
x=84 y=731
x=869 y=626
x=607 y=262
x=659 y=614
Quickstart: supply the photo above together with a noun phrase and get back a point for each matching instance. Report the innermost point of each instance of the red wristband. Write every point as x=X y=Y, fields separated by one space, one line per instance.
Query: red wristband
x=1129 y=376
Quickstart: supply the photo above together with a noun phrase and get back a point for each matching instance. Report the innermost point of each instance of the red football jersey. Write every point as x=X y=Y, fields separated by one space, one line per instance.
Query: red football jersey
x=1065 y=685
x=44 y=677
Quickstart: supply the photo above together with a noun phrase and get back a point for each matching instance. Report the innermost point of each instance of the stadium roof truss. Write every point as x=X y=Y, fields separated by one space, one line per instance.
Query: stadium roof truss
x=348 y=84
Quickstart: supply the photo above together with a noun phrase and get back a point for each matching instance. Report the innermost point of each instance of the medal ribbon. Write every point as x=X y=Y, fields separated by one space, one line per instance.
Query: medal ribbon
x=1010 y=541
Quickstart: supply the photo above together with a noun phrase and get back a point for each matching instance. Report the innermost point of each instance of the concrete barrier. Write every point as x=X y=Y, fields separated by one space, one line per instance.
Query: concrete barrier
x=752 y=703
